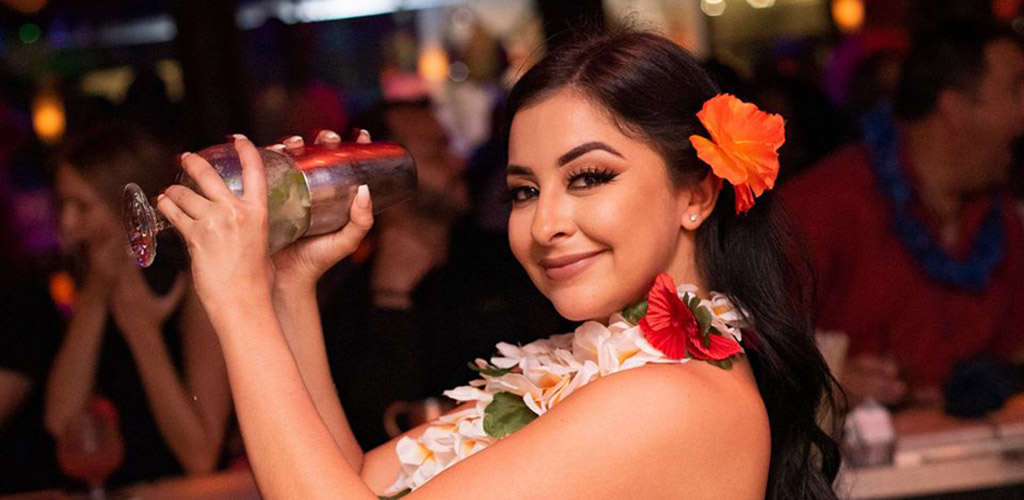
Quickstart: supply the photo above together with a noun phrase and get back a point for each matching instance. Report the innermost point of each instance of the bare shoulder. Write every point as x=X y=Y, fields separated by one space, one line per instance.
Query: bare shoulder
x=697 y=421
x=658 y=431
x=695 y=402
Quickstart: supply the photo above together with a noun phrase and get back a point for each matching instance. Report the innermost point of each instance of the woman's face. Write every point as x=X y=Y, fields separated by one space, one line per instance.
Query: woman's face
x=594 y=215
x=84 y=216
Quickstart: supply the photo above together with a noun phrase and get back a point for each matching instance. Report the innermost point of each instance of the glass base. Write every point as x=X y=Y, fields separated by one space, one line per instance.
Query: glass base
x=140 y=221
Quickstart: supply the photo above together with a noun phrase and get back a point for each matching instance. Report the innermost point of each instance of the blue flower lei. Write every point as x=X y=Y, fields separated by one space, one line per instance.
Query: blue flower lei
x=973 y=273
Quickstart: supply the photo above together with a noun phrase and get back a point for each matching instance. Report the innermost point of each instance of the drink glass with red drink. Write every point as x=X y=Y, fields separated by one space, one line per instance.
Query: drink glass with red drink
x=90 y=447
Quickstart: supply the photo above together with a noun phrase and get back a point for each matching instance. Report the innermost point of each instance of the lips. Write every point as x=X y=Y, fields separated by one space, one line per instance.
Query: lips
x=567 y=266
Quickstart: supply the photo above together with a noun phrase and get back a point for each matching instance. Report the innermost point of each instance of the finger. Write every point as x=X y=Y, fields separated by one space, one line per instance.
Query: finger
x=190 y=202
x=254 y=180
x=200 y=170
x=359 y=223
x=294 y=144
x=327 y=138
x=181 y=221
x=169 y=301
x=364 y=137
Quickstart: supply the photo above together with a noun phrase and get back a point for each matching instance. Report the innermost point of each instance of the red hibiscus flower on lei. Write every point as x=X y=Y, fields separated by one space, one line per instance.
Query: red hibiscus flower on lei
x=671 y=326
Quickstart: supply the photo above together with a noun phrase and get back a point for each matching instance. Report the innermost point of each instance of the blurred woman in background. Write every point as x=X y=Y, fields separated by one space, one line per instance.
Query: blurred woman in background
x=137 y=338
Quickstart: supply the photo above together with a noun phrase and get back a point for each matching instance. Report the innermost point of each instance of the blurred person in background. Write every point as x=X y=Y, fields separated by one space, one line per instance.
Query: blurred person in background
x=917 y=249
x=408 y=306
x=28 y=340
x=137 y=338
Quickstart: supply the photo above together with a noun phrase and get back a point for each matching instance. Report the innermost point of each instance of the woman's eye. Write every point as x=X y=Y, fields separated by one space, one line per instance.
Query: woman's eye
x=522 y=193
x=591 y=178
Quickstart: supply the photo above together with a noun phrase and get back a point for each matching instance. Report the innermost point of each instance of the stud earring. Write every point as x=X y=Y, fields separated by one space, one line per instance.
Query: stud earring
x=693 y=217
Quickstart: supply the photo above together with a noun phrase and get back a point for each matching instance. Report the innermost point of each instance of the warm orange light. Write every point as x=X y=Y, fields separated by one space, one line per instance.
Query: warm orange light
x=62 y=290
x=848 y=14
x=48 y=118
x=433 y=64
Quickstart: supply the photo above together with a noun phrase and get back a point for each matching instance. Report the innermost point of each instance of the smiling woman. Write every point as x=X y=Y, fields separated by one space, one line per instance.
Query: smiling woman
x=618 y=151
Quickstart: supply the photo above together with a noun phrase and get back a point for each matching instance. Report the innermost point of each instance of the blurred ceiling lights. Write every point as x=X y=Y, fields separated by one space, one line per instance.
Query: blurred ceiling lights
x=848 y=15
x=161 y=28
x=713 y=8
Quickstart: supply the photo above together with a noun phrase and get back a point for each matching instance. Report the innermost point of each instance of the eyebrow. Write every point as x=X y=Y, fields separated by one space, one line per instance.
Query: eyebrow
x=585 y=148
x=513 y=169
x=571 y=155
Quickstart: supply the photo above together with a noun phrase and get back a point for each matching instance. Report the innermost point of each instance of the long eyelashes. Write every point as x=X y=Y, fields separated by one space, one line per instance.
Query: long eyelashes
x=579 y=180
x=591 y=177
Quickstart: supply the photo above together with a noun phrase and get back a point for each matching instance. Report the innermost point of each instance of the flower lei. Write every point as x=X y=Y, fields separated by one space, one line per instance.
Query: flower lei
x=972 y=273
x=743 y=148
x=522 y=383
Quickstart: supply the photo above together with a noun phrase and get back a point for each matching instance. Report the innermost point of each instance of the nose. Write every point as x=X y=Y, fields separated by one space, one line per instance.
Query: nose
x=552 y=219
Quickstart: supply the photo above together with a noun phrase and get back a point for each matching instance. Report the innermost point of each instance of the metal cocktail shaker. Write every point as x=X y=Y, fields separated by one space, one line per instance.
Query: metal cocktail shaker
x=308 y=194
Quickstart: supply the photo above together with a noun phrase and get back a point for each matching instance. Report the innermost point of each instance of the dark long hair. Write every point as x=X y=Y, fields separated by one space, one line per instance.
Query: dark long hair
x=654 y=89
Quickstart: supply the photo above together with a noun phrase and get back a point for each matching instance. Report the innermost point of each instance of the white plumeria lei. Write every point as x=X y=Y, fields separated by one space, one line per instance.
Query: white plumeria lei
x=542 y=373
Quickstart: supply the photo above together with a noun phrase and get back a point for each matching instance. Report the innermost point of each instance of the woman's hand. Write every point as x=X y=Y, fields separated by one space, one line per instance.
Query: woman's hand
x=226 y=234
x=304 y=261
x=137 y=310
x=106 y=262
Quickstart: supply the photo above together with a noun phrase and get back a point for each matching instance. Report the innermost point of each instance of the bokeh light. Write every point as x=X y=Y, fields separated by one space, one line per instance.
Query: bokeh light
x=433 y=64
x=848 y=14
x=29 y=33
x=713 y=8
x=48 y=118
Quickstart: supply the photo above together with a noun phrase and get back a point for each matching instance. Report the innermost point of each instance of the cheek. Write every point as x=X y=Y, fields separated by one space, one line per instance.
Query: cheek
x=519 y=238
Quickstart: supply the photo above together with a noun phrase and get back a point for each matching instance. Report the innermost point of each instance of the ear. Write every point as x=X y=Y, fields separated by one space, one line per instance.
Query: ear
x=697 y=202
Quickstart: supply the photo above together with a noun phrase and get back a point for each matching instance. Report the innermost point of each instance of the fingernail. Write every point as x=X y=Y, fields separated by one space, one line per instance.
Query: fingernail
x=294 y=138
x=277 y=147
x=363 y=133
x=363 y=196
x=239 y=137
x=160 y=197
x=331 y=136
x=183 y=155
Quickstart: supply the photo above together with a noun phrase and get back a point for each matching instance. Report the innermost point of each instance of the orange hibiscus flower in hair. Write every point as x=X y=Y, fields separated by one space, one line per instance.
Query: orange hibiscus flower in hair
x=743 y=148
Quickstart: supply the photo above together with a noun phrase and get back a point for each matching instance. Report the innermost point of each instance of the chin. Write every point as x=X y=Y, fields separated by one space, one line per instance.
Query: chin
x=581 y=306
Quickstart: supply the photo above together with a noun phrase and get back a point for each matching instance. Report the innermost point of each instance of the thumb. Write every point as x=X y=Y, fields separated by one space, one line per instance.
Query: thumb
x=359 y=223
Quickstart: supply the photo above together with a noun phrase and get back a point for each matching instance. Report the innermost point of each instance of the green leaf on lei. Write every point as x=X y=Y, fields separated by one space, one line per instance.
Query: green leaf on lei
x=701 y=314
x=725 y=364
x=489 y=370
x=636 y=311
x=398 y=495
x=506 y=414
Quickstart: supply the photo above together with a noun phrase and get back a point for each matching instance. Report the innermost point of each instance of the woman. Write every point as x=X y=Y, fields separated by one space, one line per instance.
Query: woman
x=608 y=196
x=151 y=352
